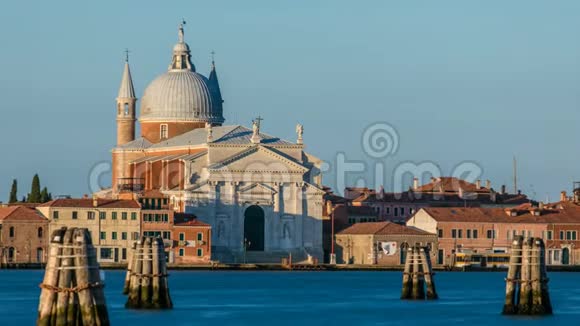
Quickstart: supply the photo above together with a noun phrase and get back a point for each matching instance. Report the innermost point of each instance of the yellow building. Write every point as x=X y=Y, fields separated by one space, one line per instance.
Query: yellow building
x=114 y=224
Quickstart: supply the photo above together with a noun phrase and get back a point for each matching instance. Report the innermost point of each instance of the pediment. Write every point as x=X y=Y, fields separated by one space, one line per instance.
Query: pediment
x=258 y=159
x=257 y=189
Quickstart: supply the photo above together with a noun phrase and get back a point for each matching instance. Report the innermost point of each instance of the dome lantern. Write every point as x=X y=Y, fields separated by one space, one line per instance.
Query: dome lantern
x=181 y=54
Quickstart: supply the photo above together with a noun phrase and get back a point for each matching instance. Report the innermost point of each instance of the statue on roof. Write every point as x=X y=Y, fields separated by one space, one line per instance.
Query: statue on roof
x=299 y=131
x=209 y=129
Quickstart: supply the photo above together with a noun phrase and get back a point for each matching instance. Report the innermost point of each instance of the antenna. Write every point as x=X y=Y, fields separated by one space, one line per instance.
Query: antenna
x=515 y=176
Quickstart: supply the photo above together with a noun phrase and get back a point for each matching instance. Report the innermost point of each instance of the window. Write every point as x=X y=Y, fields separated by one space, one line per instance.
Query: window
x=103 y=235
x=163 y=131
x=460 y=234
x=75 y=215
x=468 y=234
x=11 y=232
x=166 y=235
x=106 y=253
x=440 y=233
x=102 y=215
x=114 y=235
x=388 y=210
x=514 y=234
x=199 y=252
x=55 y=215
x=410 y=211
x=491 y=234
x=549 y=234
x=133 y=216
x=573 y=235
x=123 y=235
x=181 y=236
x=561 y=235
x=181 y=252
x=199 y=236
x=396 y=211
x=90 y=215
x=509 y=235
x=124 y=254
x=454 y=233
x=126 y=108
x=474 y=234
x=114 y=215
x=124 y=215
x=40 y=232
x=135 y=236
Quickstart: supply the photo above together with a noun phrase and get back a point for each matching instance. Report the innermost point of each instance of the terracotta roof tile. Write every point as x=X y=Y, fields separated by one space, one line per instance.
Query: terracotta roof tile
x=382 y=228
x=20 y=213
x=88 y=203
x=183 y=219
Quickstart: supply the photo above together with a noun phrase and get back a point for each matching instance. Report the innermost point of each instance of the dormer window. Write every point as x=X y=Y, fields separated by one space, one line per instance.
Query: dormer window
x=163 y=131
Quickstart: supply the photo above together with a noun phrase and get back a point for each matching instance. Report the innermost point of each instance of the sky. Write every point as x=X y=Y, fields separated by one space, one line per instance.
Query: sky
x=458 y=82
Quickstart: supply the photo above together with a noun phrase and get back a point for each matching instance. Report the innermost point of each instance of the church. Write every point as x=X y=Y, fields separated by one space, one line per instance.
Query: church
x=261 y=194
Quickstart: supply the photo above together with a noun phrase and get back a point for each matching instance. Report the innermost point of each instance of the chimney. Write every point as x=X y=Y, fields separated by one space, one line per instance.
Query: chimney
x=503 y=189
x=478 y=184
x=415 y=183
x=95 y=201
x=488 y=184
x=563 y=196
x=381 y=193
x=541 y=205
x=492 y=196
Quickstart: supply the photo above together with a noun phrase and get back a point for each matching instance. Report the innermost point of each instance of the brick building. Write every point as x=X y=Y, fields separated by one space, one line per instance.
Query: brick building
x=380 y=243
x=491 y=230
x=440 y=192
x=23 y=235
x=192 y=239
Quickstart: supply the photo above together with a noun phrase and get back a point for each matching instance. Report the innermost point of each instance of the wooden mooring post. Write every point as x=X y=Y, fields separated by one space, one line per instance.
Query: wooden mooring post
x=527 y=281
x=418 y=275
x=72 y=290
x=147 y=287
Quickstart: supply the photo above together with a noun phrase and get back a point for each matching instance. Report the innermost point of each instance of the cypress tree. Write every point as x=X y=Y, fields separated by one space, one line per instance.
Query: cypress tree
x=44 y=195
x=13 y=192
x=34 y=196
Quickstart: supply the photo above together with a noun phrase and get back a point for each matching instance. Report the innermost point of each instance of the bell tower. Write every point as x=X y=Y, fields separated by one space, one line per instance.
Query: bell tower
x=126 y=102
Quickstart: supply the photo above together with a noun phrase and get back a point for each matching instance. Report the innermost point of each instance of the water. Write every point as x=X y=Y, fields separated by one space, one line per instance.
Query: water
x=305 y=298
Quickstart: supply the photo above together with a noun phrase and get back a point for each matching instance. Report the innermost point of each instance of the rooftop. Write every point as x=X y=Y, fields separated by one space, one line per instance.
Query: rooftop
x=20 y=213
x=382 y=228
x=88 y=203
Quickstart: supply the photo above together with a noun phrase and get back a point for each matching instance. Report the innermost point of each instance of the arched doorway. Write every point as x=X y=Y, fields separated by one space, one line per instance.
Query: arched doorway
x=254 y=228
x=565 y=256
x=11 y=255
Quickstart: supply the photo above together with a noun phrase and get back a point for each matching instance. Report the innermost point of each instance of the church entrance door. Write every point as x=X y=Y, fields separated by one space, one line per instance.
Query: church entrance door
x=254 y=228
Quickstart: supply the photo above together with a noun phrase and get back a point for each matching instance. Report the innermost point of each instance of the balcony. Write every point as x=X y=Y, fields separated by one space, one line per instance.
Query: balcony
x=130 y=184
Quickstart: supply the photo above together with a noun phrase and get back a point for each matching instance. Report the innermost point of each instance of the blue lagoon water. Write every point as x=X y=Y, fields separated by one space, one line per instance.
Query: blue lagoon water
x=305 y=298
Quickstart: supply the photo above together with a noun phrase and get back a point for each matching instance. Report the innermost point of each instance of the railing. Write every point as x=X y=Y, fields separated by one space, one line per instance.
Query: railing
x=130 y=184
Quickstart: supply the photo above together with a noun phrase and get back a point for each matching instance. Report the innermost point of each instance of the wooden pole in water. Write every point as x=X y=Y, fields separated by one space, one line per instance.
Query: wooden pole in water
x=156 y=271
x=86 y=308
x=536 y=279
x=509 y=307
x=428 y=274
x=146 y=275
x=524 y=304
x=546 y=304
x=165 y=299
x=416 y=291
x=133 y=300
x=50 y=279
x=95 y=276
x=406 y=291
x=130 y=265
x=65 y=278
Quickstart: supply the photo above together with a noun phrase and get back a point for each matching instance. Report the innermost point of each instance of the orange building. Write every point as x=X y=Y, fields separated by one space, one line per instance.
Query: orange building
x=192 y=240
x=23 y=235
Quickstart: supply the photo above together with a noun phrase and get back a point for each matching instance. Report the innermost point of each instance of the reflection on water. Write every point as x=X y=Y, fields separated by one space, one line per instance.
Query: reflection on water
x=305 y=298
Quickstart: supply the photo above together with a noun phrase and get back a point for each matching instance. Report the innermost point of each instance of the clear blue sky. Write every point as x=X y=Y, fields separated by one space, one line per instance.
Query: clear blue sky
x=459 y=80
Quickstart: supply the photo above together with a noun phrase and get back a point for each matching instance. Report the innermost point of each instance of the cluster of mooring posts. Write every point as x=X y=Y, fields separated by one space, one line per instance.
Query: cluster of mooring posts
x=146 y=278
x=418 y=275
x=72 y=290
x=527 y=280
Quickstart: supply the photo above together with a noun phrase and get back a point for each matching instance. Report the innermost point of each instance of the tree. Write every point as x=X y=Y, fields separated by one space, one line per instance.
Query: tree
x=23 y=199
x=34 y=196
x=13 y=192
x=44 y=195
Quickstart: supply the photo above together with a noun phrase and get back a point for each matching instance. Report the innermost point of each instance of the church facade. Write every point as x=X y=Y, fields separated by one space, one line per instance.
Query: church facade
x=261 y=194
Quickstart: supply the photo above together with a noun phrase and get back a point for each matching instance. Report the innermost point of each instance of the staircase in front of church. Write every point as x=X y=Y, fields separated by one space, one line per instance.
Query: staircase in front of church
x=269 y=257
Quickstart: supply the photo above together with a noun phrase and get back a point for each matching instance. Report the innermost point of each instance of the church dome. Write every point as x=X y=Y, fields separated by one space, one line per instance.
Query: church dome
x=181 y=94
